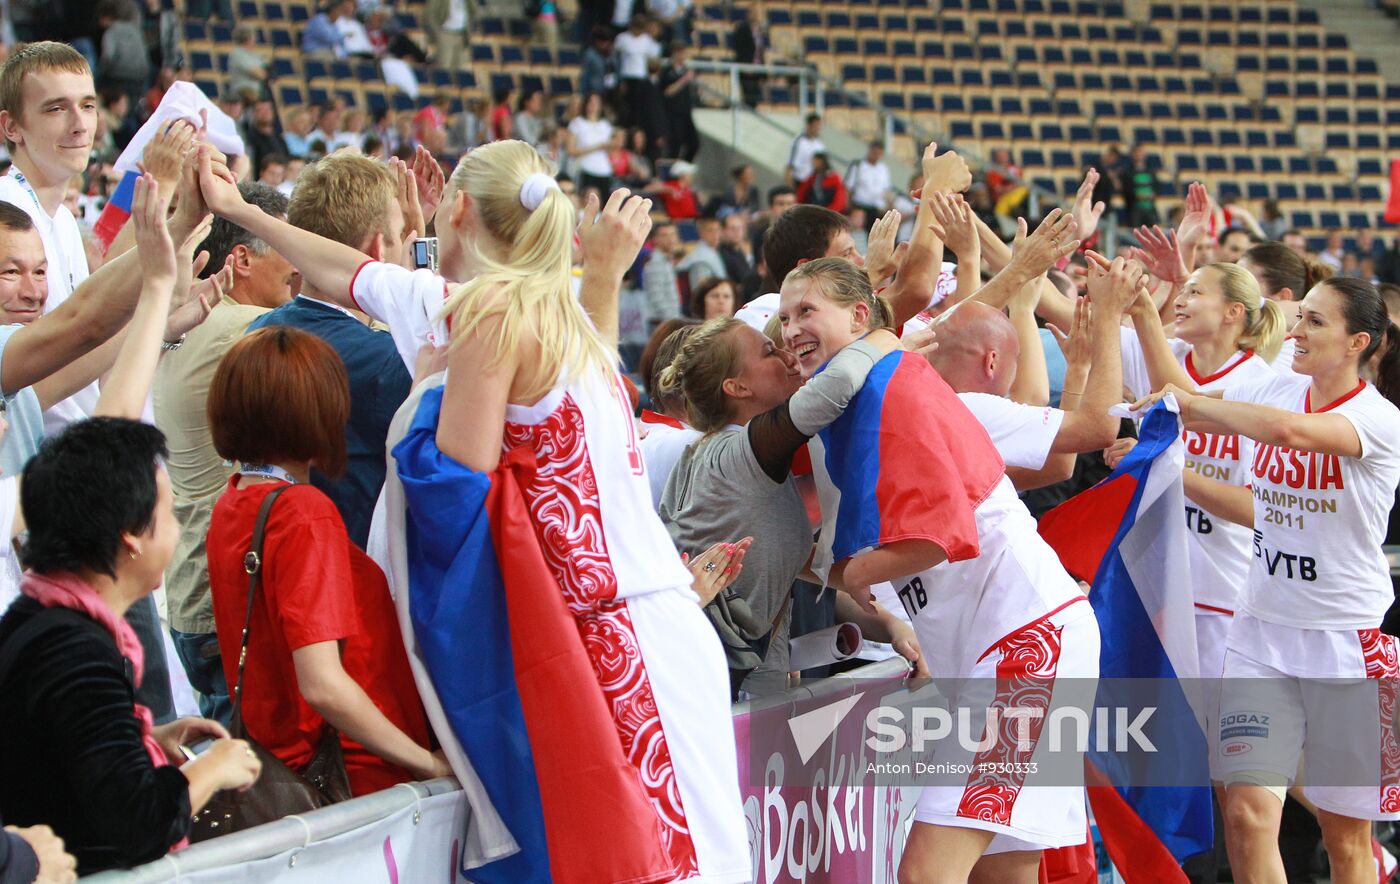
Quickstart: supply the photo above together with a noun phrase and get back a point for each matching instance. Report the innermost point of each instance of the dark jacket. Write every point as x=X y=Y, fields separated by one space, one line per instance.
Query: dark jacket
x=71 y=755
x=744 y=48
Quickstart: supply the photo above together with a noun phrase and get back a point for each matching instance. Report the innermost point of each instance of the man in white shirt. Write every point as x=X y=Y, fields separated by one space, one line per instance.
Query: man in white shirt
x=804 y=147
x=868 y=182
x=48 y=115
x=635 y=48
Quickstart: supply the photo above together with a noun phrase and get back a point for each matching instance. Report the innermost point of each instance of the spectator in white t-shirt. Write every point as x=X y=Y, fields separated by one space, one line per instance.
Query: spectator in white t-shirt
x=804 y=147
x=868 y=183
x=589 y=135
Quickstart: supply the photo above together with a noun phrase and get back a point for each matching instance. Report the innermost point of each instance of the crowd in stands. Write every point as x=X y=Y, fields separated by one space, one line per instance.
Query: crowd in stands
x=261 y=319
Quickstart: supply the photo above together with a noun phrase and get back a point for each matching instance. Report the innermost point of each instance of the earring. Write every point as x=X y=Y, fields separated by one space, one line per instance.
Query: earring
x=134 y=554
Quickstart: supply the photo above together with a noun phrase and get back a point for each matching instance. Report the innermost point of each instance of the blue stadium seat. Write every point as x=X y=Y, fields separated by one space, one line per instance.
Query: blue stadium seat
x=1256 y=190
x=1368 y=141
x=1286 y=191
x=1344 y=193
x=1229 y=138
x=1369 y=193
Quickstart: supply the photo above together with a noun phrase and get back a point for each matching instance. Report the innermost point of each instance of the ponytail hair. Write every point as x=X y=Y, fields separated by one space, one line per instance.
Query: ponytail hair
x=846 y=285
x=1264 y=322
x=1363 y=310
x=531 y=290
x=707 y=357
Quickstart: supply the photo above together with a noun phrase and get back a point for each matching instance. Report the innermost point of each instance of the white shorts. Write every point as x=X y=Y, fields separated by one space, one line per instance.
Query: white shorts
x=1340 y=724
x=1211 y=629
x=663 y=672
x=1005 y=800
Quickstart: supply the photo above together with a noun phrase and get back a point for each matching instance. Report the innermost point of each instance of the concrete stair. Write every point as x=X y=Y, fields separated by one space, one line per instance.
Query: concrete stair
x=1370 y=32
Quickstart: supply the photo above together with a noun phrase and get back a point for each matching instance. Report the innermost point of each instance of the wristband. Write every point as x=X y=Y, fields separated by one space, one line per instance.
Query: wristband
x=170 y=347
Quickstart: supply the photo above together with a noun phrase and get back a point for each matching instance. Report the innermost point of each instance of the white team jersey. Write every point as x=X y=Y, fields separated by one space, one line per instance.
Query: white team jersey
x=1320 y=519
x=68 y=267
x=590 y=501
x=960 y=610
x=410 y=302
x=1023 y=434
x=1219 y=550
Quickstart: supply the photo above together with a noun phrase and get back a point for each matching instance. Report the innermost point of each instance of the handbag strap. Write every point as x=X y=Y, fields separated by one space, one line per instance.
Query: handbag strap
x=252 y=563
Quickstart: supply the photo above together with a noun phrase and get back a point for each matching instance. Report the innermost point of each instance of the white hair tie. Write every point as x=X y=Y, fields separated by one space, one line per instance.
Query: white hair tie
x=533 y=191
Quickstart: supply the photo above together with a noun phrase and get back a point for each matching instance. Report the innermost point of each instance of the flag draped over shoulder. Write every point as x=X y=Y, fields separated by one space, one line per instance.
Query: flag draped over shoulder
x=182 y=101
x=905 y=461
x=506 y=678
x=1127 y=536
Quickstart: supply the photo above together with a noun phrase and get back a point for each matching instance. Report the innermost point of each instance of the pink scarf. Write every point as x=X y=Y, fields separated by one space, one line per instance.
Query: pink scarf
x=63 y=590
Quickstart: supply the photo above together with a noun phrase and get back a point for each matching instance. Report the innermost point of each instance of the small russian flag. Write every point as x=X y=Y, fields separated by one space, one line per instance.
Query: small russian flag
x=182 y=101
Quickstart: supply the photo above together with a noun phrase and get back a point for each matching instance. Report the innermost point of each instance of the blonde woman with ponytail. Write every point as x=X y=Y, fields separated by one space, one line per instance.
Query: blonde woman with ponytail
x=528 y=369
x=1226 y=335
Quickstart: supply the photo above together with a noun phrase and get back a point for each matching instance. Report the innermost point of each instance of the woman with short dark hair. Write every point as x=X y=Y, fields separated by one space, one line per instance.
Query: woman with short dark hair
x=324 y=647
x=76 y=752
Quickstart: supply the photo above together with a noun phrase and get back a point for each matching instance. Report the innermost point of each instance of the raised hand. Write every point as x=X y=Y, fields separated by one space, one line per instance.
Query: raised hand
x=1194 y=219
x=947 y=172
x=216 y=184
x=1114 y=288
x=611 y=238
x=191 y=304
x=1161 y=254
x=880 y=261
x=1075 y=346
x=153 y=243
x=1037 y=252
x=164 y=155
x=953 y=224
x=1086 y=212
x=414 y=223
x=427 y=172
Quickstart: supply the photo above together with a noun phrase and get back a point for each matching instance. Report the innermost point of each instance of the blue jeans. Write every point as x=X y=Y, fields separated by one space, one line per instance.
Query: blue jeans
x=154 y=692
x=199 y=654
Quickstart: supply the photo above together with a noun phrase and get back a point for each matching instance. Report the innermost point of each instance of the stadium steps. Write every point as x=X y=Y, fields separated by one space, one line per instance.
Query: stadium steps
x=1370 y=32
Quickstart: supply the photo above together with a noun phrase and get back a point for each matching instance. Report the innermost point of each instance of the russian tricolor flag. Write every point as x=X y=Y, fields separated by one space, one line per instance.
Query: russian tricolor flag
x=505 y=677
x=182 y=101
x=905 y=461
x=1127 y=537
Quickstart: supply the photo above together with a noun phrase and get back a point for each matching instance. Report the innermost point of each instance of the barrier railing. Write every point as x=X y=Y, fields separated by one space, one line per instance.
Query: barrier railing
x=414 y=831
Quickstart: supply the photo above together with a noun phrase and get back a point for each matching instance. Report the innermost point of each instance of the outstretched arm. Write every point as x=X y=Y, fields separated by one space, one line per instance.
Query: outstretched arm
x=913 y=287
x=1324 y=433
x=327 y=265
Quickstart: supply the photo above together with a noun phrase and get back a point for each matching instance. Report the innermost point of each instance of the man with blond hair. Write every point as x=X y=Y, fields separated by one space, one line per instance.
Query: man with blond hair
x=352 y=200
x=48 y=116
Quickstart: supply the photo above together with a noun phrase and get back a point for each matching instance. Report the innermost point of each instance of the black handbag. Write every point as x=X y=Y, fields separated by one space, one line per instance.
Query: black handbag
x=279 y=790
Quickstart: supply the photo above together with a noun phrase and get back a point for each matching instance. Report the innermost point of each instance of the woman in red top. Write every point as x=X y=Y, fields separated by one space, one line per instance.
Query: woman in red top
x=502 y=122
x=324 y=645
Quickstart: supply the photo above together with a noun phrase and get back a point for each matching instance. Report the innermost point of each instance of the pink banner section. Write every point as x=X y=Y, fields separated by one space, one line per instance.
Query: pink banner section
x=816 y=810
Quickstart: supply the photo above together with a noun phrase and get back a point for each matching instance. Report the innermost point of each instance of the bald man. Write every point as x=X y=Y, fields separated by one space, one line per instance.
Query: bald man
x=978 y=355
